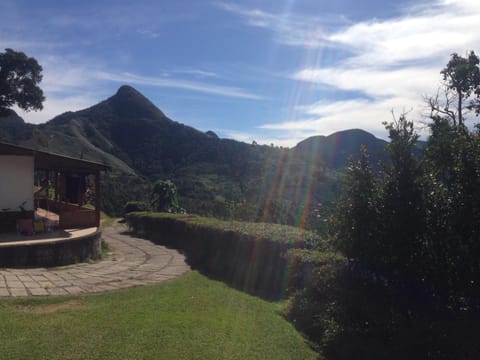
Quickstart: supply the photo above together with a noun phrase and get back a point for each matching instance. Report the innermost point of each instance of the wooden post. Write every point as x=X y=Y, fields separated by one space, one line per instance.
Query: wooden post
x=47 y=179
x=97 y=197
x=56 y=185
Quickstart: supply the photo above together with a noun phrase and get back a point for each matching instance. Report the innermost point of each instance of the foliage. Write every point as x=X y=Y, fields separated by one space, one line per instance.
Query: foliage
x=190 y=318
x=132 y=206
x=249 y=256
x=315 y=293
x=291 y=236
x=401 y=208
x=462 y=75
x=411 y=235
x=19 y=76
x=461 y=78
x=354 y=228
x=164 y=196
x=105 y=219
x=117 y=188
x=454 y=219
x=105 y=248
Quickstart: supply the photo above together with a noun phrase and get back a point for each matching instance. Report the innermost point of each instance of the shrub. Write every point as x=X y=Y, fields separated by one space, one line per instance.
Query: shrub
x=317 y=290
x=249 y=256
x=133 y=206
x=164 y=196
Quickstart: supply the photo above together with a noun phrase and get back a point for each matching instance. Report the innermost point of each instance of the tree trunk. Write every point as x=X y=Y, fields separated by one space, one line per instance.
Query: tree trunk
x=460 y=119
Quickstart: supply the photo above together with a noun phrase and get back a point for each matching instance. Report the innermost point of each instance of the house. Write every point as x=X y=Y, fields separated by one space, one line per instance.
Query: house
x=42 y=192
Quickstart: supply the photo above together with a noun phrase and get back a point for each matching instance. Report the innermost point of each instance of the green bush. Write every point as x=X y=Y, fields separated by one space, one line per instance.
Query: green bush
x=339 y=309
x=249 y=256
x=316 y=289
x=411 y=236
x=134 y=206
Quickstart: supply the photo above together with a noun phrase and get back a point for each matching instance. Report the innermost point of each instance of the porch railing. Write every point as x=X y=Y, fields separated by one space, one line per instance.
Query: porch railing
x=70 y=215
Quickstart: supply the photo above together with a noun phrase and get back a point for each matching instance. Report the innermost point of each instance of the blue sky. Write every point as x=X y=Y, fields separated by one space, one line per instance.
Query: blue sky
x=273 y=71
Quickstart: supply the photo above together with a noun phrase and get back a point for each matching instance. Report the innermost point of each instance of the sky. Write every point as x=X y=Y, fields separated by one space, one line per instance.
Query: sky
x=270 y=71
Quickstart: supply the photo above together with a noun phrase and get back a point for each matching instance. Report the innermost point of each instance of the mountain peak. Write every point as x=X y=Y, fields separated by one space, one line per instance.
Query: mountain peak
x=127 y=90
x=335 y=149
x=353 y=133
x=131 y=101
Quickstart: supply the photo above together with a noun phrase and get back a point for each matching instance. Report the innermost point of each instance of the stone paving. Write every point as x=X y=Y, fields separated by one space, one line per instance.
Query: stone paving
x=132 y=262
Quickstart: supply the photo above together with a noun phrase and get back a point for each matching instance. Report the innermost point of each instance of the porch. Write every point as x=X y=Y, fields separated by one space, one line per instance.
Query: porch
x=64 y=215
x=41 y=192
x=49 y=208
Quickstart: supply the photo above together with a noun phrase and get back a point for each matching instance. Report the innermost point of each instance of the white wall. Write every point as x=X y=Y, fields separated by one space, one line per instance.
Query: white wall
x=16 y=182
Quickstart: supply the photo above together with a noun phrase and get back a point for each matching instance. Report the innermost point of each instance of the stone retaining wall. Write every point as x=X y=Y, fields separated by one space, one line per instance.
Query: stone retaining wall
x=41 y=254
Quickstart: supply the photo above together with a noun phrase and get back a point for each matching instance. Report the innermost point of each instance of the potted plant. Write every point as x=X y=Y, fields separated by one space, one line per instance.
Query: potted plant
x=25 y=223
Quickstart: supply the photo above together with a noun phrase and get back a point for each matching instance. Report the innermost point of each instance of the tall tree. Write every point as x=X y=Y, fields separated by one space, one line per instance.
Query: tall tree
x=403 y=212
x=19 y=78
x=355 y=228
x=461 y=78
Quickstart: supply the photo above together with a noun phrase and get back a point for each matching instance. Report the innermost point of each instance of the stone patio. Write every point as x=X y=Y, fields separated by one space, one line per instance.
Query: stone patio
x=132 y=262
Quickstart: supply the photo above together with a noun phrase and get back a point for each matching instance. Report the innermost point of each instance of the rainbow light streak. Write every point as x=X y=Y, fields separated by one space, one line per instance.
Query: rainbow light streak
x=290 y=164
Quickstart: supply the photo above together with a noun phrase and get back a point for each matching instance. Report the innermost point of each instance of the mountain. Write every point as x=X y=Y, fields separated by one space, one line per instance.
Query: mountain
x=213 y=175
x=13 y=128
x=336 y=149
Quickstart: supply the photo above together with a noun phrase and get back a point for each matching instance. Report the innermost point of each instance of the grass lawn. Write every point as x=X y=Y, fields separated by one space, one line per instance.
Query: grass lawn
x=106 y=220
x=189 y=318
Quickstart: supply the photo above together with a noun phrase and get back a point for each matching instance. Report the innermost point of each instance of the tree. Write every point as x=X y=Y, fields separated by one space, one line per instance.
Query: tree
x=402 y=206
x=411 y=233
x=164 y=196
x=355 y=227
x=461 y=78
x=19 y=76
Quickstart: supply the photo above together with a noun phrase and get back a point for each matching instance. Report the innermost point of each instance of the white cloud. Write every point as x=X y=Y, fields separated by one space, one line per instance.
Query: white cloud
x=72 y=83
x=65 y=88
x=69 y=84
x=419 y=37
x=375 y=81
x=61 y=75
x=390 y=64
x=149 y=34
x=199 y=73
x=265 y=137
x=179 y=84
x=56 y=105
x=290 y=29
x=328 y=117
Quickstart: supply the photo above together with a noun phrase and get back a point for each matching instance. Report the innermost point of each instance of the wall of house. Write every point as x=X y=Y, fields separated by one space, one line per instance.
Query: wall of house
x=16 y=182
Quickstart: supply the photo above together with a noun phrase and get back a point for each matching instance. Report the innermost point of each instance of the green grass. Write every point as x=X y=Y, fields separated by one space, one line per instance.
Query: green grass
x=106 y=219
x=105 y=248
x=190 y=318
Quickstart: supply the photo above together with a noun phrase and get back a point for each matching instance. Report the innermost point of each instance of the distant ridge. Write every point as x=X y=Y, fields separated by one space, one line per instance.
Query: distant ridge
x=336 y=149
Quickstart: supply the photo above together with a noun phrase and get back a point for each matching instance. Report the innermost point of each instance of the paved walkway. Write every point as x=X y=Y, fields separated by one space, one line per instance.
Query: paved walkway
x=132 y=262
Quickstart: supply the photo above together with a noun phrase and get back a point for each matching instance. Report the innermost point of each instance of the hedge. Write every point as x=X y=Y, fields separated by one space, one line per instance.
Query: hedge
x=248 y=256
